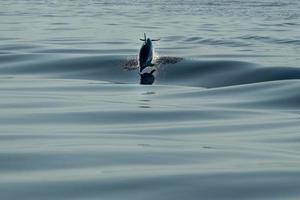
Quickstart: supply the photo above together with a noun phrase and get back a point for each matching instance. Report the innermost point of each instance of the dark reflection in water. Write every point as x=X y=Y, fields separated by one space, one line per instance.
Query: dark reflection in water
x=148 y=93
x=146 y=102
x=145 y=106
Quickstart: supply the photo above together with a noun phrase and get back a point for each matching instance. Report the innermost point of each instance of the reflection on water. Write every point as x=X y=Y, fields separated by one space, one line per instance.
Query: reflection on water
x=148 y=93
x=146 y=103
x=110 y=141
x=75 y=123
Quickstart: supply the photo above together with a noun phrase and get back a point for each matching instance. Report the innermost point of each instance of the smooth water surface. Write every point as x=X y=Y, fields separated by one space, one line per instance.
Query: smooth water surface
x=221 y=121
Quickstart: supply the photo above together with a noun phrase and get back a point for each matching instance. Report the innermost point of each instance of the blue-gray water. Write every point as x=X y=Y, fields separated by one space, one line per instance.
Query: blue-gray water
x=221 y=123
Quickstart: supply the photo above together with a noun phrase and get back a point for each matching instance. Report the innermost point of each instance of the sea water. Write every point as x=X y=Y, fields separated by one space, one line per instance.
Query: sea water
x=222 y=122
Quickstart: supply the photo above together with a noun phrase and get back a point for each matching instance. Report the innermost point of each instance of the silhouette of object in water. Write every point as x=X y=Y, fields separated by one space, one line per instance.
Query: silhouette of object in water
x=146 y=67
x=148 y=76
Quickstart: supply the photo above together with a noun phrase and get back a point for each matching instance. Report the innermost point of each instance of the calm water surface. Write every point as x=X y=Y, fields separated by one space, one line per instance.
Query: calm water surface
x=221 y=123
